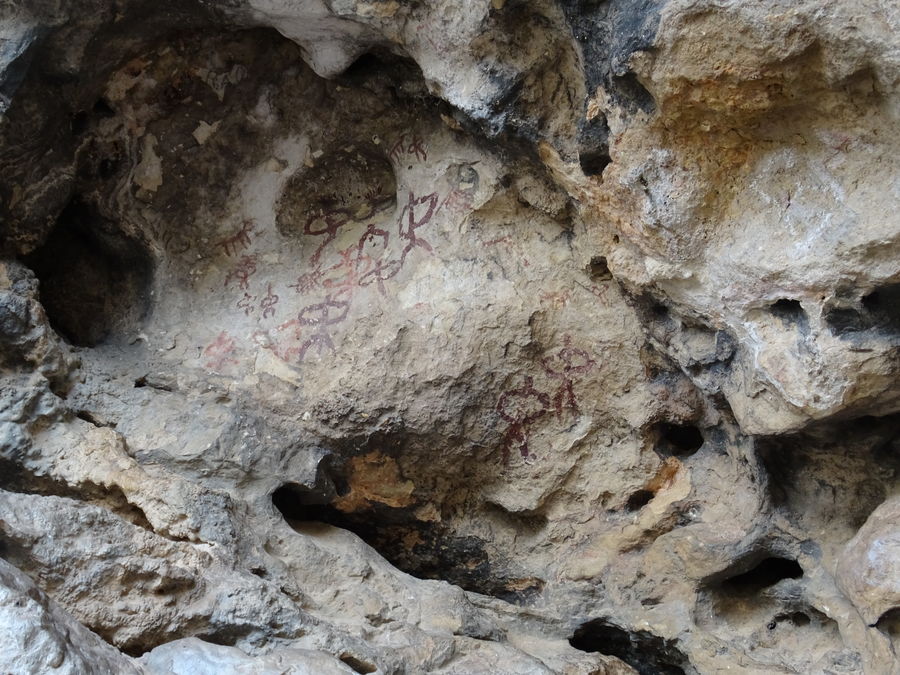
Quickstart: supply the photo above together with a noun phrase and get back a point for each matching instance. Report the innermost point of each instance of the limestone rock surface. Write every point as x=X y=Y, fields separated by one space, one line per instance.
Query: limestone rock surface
x=497 y=336
x=40 y=637
x=868 y=569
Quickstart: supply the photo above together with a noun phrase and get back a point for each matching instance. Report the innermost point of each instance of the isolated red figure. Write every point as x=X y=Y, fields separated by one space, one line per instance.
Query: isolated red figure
x=564 y=365
x=520 y=408
x=413 y=222
x=288 y=331
x=238 y=241
x=219 y=352
x=415 y=147
x=245 y=268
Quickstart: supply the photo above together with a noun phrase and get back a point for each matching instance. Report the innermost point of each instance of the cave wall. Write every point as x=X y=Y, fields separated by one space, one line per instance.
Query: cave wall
x=499 y=336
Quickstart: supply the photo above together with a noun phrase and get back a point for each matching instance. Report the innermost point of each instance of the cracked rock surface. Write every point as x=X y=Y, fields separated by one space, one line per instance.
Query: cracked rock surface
x=498 y=336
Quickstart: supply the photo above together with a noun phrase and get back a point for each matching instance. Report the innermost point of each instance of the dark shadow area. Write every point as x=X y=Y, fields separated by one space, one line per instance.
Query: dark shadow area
x=423 y=549
x=889 y=623
x=798 y=619
x=648 y=654
x=94 y=280
x=598 y=269
x=608 y=33
x=677 y=440
x=348 y=187
x=878 y=311
x=836 y=473
x=754 y=589
x=789 y=311
x=844 y=320
x=358 y=665
x=765 y=573
x=401 y=75
x=593 y=162
x=639 y=500
x=16 y=478
x=883 y=305
x=593 y=146
x=297 y=502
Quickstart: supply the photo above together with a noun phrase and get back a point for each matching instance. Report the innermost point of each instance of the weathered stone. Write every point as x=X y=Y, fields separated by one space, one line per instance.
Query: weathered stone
x=36 y=636
x=455 y=337
x=869 y=569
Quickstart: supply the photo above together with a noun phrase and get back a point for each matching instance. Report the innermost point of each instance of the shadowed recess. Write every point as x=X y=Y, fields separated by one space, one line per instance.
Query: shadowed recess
x=94 y=280
x=767 y=572
x=648 y=654
x=678 y=440
x=423 y=549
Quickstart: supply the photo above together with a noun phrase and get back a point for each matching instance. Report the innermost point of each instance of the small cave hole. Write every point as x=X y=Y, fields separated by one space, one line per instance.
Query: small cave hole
x=844 y=320
x=678 y=440
x=296 y=502
x=598 y=269
x=889 y=623
x=363 y=66
x=647 y=653
x=639 y=500
x=79 y=122
x=659 y=312
x=883 y=304
x=135 y=651
x=799 y=619
x=102 y=108
x=226 y=636
x=154 y=383
x=593 y=145
x=630 y=91
x=872 y=301
x=91 y=418
x=94 y=280
x=399 y=70
x=764 y=574
x=107 y=168
x=594 y=162
x=878 y=310
x=789 y=311
x=357 y=664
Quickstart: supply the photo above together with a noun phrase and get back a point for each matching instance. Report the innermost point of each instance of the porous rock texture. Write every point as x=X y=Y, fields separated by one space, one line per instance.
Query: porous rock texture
x=496 y=336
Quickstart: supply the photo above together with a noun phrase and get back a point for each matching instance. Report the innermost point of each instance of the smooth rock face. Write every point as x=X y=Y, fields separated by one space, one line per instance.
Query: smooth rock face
x=455 y=337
